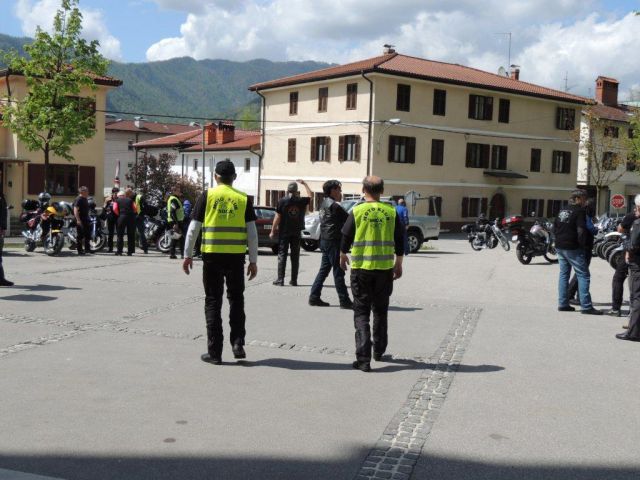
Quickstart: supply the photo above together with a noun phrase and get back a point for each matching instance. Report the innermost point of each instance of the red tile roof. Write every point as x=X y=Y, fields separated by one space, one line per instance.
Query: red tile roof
x=244 y=143
x=619 y=113
x=406 y=66
x=148 y=127
x=192 y=141
x=99 y=79
x=176 y=140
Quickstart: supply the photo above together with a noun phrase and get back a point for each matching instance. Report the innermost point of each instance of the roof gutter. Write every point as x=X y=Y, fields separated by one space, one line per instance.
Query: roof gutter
x=262 y=143
x=370 y=122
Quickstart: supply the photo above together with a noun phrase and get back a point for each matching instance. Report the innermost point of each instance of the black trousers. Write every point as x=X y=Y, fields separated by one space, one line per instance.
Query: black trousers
x=229 y=269
x=111 y=229
x=140 y=229
x=634 y=286
x=617 y=283
x=1 y=267
x=286 y=243
x=573 y=283
x=179 y=242
x=83 y=236
x=126 y=224
x=371 y=290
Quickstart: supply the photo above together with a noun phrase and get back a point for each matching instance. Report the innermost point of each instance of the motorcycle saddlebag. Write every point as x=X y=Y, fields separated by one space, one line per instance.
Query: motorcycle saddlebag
x=513 y=221
x=150 y=210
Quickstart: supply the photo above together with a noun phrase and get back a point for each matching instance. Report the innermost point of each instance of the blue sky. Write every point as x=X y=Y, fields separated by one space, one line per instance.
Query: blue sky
x=551 y=39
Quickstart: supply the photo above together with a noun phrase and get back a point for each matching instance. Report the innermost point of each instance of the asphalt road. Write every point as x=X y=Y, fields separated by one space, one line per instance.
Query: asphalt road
x=100 y=376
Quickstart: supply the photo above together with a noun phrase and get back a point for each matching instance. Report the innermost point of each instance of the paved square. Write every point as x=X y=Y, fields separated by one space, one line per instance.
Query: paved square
x=101 y=376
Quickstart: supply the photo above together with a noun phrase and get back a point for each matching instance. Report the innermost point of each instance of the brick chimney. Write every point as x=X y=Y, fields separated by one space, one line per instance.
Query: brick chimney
x=607 y=91
x=515 y=74
x=226 y=132
x=210 y=134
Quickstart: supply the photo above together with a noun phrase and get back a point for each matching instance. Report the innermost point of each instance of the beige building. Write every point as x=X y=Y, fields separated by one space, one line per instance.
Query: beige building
x=471 y=140
x=22 y=171
x=605 y=129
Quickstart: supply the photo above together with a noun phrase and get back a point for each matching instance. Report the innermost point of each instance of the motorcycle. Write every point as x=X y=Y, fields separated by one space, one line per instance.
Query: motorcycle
x=485 y=234
x=36 y=223
x=535 y=242
x=155 y=230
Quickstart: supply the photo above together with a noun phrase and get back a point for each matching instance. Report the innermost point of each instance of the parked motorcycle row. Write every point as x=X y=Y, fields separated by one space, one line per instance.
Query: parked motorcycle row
x=52 y=225
x=530 y=242
x=609 y=243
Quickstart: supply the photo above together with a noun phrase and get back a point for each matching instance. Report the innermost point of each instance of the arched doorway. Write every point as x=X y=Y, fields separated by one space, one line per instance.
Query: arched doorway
x=497 y=206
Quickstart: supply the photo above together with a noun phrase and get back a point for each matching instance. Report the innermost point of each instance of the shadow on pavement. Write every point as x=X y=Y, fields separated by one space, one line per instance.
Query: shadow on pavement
x=29 y=298
x=44 y=288
x=433 y=252
x=252 y=466
x=393 y=308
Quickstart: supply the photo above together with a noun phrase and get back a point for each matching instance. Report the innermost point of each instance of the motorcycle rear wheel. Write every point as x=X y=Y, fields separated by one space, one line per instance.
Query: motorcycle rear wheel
x=615 y=258
x=53 y=244
x=163 y=243
x=503 y=241
x=609 y=250
x=603 y=248
x=29 y=245
x=551 y=256
x=523 y=258
x=476 y=245
x=97 y=244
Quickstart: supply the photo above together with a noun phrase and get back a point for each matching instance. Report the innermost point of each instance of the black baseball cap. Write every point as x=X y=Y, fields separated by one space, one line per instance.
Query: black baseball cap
x=225 y=168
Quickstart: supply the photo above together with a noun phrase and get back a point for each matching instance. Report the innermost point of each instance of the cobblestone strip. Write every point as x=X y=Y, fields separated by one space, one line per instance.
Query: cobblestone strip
x=88 y=267
x=28 y=319
x=397 y=451
x=53 y=338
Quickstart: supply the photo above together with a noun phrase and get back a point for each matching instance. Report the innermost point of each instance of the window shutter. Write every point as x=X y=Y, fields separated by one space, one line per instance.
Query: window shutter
x=411 y=150
x=468 y=162
x=483 y=205
x=540 y=207
x=465 y=207
x=566 y=165
x=358 y=148
x=313 y=149
x=35 y=180
x=341 y=148
x=472 y=106
x=327 y=150
x=486 y=154
x=549 y=208
x=488 y=106
x=87 y=178
x=391 y=147
x=523 y=210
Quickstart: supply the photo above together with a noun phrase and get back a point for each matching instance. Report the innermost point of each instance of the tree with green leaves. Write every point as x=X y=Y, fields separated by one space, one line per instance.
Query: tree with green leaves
x=53 y=117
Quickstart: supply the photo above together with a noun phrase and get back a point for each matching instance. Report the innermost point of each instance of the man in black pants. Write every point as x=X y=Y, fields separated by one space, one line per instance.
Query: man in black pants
x=125 y=209
x=3 y=228
x=83 y=222
x=107 y=209
x=632 y=256
x=332 y=218
x=588 y=253
x=622 y=268
x=288 y=224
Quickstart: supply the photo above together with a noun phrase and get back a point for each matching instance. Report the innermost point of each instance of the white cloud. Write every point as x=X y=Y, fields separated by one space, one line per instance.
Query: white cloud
x=42 y=12
x=549 y=37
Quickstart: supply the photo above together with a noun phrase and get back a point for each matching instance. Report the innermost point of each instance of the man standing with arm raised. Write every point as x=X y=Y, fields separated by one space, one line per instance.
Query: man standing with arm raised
x=227 y=220
x=374 y=233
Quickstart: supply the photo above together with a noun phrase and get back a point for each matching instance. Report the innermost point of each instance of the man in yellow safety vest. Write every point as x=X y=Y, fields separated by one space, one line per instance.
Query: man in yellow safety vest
x=373 y=232
x=227 y=220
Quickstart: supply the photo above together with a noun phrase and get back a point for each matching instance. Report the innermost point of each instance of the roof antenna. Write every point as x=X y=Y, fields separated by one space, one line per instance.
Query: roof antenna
x=388 y=49
x=509 y=55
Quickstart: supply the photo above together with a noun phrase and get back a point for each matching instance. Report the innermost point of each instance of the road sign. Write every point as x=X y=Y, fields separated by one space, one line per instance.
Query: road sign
x=618 y=201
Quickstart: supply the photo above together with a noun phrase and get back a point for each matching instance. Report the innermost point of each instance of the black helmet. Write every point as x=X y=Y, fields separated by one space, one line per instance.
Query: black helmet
x=44 y=198
x=91 y=202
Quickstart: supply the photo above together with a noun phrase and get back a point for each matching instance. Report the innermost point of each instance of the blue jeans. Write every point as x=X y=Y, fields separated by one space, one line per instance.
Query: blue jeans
x=576 y=259
x=330 y=261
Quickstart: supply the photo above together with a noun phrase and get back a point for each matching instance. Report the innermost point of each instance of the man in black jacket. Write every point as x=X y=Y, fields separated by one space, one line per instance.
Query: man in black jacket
x=3 y=228
x=332 y=218
x=83 y=222
x=571 y=239
x=632 y=257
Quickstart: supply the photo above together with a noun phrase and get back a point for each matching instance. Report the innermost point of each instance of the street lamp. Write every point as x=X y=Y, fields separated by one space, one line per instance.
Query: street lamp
x=387 y=125
x=202 y=126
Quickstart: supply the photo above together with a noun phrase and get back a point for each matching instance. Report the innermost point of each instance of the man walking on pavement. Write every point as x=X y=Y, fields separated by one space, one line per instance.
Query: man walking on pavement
x=125 y=210
x=288 y=224
x=175 y=217
x=632 y=258
x=4 y=213
x=403 y=213
x=140 y=217
x=332 y=218
x=373 y=232
x=83 y=222
x=570 y=229
x=227 y=220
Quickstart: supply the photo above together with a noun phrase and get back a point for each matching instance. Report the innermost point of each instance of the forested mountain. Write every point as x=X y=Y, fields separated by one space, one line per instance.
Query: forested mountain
x=187 y=87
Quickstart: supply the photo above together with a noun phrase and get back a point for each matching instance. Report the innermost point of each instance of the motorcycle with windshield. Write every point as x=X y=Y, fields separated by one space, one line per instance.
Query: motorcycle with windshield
x=532 y=242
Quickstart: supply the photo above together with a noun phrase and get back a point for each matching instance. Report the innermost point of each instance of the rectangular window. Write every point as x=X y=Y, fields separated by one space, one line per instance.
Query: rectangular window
x=532 y=207
x=247 y=164
x=291 y=150
x=499 y=157
x=478 y=155
x=349 y=148
x=402 y=149
x=435 y=206
x=565 y=118
x=403 y=98
x=130 y=145
x=480 y=107
x=439 y=102
x=323 y=97
x=632 y=162
x=561 y=162
x=320 y=149
x=293 y=103
x=195 y=165
x=473 y=206
x=352 y=96
x=437 y=152
x=609 y=160
x=554 y=207
x=611 y=131
x=273 y=196
x=503 y=110
x=536 y=155
x=63 y=179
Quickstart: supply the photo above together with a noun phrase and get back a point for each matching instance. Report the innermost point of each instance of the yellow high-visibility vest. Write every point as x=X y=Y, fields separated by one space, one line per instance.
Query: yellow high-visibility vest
x=373 y=245
x=224 y=229
x=179 y=211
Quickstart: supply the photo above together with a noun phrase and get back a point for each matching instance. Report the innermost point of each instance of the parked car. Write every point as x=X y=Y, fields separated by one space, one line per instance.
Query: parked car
x=264 y=224
x=421 y=228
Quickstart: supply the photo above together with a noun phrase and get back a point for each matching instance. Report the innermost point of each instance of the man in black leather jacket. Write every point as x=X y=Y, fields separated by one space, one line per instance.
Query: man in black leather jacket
x=632 y=257
x=332 y=218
